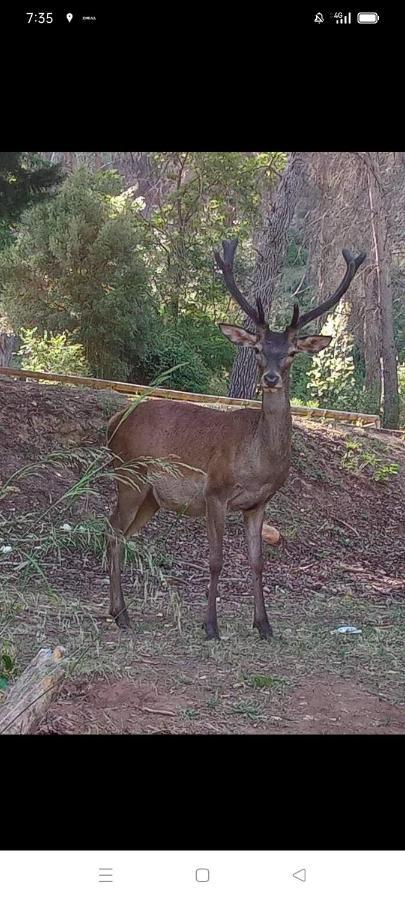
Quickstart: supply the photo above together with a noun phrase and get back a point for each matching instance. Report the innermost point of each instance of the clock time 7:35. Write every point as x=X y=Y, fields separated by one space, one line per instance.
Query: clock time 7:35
x=39 y=17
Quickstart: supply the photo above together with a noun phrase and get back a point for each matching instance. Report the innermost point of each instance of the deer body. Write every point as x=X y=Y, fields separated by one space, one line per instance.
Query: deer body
x=226 y=460
x=243 y=454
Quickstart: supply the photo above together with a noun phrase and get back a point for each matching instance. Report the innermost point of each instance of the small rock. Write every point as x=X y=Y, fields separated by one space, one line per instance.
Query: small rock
x=347 y=629
x=270 y=535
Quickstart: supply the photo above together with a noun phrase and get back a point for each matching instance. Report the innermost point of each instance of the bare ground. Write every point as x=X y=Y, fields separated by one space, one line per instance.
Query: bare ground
x=340 y=561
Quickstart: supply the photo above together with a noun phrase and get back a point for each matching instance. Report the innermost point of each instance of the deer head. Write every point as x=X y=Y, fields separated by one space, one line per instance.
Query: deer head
x=275 y=350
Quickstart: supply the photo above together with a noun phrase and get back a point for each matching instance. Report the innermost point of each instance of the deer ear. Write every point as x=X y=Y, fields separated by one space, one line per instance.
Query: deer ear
x=313 y=343
x=238 y=335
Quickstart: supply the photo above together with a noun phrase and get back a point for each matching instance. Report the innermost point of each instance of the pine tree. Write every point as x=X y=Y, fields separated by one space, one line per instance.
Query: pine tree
x=24 y=180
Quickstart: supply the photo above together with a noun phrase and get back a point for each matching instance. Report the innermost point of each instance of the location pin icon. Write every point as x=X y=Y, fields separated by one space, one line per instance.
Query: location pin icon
x=69 y=17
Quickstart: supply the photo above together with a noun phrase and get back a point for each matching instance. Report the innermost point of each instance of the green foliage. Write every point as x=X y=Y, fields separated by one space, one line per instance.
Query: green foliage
x=358 y=460
x=77 y=268
x=297 y=401
x=297 y=254
x=51 y=353
x=398 y=285
x=195 y=343
x=139 y=292
x=168 y=349
x=7 y=666
x=335 y=378
x=135 y=285
x=207 y=340
x=6 y=234
x=399 y=332
x=190 y=713
x=24 y=179
x=299 y=380
x=206 y=197
x=332 y=380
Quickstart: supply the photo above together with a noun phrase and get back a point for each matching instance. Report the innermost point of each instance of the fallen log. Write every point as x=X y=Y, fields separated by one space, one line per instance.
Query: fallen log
x=27 y=700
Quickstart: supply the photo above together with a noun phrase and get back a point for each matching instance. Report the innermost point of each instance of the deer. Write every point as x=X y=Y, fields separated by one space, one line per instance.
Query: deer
x=233 y=460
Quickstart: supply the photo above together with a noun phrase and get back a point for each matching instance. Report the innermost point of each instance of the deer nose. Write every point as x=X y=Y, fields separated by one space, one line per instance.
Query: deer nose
x=270 y=380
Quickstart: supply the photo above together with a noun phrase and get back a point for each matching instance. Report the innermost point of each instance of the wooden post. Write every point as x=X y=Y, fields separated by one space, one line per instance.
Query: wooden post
x=32 y=694
x=154 y=393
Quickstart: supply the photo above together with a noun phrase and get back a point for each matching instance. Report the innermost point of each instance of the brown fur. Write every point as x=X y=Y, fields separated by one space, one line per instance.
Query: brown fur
x=243 y=456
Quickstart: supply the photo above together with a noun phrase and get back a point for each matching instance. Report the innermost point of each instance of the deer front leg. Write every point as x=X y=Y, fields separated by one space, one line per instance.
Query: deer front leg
x=215 y=526
x=117 y=610
x=253 y=529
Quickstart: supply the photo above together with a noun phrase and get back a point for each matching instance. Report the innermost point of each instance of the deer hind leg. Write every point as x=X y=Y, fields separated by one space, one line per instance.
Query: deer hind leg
x=117 y=609
x=253 y=529
x=126 y=519
x=215 y=526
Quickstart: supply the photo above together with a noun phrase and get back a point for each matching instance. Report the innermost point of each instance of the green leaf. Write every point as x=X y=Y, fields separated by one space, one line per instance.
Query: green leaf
x=8 y=663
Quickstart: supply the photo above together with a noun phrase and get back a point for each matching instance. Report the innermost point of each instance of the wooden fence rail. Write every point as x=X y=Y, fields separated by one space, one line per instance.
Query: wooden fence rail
x=125 y=388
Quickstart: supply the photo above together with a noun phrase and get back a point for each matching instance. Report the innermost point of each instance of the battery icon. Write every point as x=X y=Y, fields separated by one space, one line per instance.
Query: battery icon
x=367 y=18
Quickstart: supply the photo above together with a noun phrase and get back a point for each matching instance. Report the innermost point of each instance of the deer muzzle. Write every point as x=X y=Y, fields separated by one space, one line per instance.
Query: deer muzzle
x=271 y=381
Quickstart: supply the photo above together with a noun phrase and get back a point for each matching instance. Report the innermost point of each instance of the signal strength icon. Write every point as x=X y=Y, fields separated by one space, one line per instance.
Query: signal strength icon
x=344 y=20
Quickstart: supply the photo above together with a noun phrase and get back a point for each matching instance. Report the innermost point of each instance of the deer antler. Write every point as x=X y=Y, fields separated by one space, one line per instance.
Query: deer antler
x=225 y=263
x=352 y=263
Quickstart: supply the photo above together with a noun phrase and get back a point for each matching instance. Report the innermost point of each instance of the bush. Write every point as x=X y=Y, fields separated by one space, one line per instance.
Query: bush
x=299 y=379
x=195 y=343
x=332 y=379
x=297 y=401
x=77 y=268
x=51 y=353
x=206 y=339
x=168 y=349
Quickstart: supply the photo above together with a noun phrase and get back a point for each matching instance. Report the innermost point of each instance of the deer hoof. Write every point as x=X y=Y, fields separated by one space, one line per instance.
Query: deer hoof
x=211 y=632
x=121 y=619
x=265 y=630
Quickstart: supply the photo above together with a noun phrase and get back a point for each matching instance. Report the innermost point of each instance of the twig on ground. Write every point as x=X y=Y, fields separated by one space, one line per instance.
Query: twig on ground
x=160 y=712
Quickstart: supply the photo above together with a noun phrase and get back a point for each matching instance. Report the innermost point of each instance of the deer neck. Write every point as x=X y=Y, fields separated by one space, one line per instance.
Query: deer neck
x=275 y=420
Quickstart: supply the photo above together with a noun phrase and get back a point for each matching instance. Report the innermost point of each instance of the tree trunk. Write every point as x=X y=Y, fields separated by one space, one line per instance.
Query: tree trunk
x=272 y=247
x=372 y=341
x=382 y=253
x=7 y=347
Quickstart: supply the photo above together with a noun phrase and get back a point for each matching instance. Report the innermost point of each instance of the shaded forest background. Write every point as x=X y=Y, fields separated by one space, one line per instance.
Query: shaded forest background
x=107 y=267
